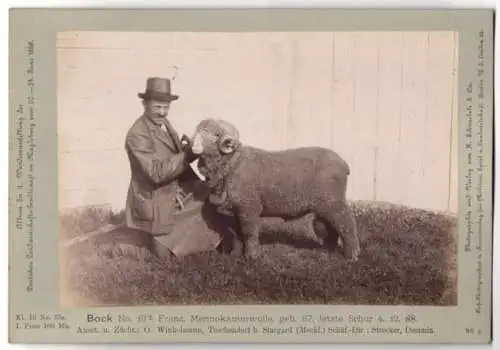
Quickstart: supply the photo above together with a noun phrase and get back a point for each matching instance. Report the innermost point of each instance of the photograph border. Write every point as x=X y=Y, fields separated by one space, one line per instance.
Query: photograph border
x=33 y=233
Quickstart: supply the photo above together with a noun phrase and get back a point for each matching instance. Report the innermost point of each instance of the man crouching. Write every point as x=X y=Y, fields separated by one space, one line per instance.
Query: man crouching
x=166 y=200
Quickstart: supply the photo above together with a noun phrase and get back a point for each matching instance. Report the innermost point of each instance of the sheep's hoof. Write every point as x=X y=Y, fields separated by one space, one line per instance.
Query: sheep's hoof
x=353 y=257
x=251 y=254
x=251 y=248
x=249 y=260
x=237 y=248
x=237 y=252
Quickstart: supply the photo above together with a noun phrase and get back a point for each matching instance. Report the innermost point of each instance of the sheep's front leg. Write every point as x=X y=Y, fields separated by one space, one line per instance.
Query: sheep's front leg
x=250 y=229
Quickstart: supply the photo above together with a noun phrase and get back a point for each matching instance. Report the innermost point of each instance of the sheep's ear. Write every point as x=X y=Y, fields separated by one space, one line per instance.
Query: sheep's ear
x=227 y=144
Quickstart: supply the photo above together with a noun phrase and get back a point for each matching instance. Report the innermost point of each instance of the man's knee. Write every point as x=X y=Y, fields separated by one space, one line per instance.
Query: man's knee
x=161 y=250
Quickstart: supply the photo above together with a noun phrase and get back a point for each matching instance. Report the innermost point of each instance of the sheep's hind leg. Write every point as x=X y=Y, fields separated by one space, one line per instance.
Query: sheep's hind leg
x=342 y=217
x=327 y=233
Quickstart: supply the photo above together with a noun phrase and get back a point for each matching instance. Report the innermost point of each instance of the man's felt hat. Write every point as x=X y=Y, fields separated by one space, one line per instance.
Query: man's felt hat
x=158 y=89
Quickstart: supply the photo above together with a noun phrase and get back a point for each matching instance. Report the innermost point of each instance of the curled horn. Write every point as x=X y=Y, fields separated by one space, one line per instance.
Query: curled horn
x=230 y=139
x=228 y=144
x=229 y=129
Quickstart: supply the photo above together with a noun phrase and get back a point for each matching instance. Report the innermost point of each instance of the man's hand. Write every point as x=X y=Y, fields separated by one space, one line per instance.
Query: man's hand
x=185 y=140
x=187 y=148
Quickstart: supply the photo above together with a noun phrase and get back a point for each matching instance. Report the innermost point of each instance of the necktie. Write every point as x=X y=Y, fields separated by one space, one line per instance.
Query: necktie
x=167 y=128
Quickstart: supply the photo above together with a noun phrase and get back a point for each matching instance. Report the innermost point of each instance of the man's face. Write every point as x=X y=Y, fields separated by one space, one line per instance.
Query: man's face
x=157 y=111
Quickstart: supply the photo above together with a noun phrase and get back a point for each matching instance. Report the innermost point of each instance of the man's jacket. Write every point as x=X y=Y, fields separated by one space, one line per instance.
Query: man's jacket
x=156 y=161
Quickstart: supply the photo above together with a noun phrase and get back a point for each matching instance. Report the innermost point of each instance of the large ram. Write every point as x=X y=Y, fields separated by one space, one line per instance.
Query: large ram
x=251 y=183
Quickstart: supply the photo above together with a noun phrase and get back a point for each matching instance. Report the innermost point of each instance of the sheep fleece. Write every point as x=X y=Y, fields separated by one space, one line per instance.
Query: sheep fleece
x=287 y=184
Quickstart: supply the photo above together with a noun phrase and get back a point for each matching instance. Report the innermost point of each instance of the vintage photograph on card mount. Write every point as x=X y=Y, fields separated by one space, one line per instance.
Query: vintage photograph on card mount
x=258 y=168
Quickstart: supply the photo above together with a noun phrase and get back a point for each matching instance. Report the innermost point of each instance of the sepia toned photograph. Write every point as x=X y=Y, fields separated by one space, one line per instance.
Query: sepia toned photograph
x=279 y=168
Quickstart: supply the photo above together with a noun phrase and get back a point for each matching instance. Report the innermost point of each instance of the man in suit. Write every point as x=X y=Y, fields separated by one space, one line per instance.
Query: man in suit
x=162 y=180
x=166 y=200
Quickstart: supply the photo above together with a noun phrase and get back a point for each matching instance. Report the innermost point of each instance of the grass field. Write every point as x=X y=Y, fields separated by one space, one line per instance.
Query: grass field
x=408 y=257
